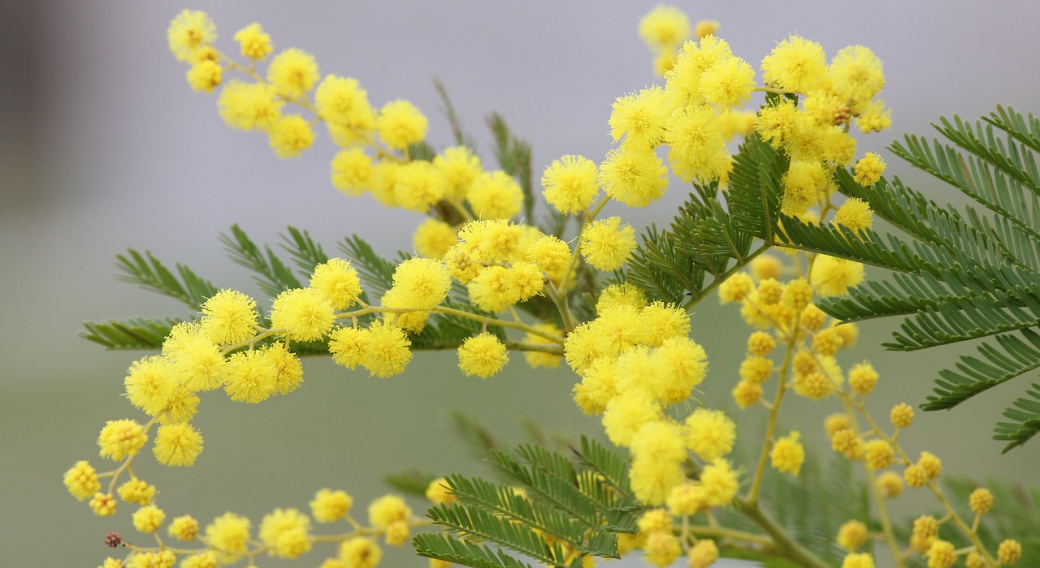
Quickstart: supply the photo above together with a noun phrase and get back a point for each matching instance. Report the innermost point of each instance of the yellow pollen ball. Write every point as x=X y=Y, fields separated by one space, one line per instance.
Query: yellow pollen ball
x=852 y=535
x=148 y=519
x=941 y=554
x=869 y=169
x=854 y=214
x=254 y=41
x=433 y=238
x=570 y=184
x=352 y=171
x=82 y=480
x=302 y=314
x=329 y=506
x=177 y=445
x=190 y=31
x=788 y=455
x=400 y=124
x=863 y=378
x=387 y=351
x=606 y=244
x=136 y=491
x=184 y=528
x=229 y=317
x=338 y=280
x=634 y=176
x=878 y=454
x=747 y=393
x=291 y=135
x=360 y=552
x=482 y=356
x=901 y=416
x=121 y=438
x=664 y=27
x=980 y=501
x=890 y=484
x=703 y=554
x=495 y=195
x=1009 y=551
x=293 y=72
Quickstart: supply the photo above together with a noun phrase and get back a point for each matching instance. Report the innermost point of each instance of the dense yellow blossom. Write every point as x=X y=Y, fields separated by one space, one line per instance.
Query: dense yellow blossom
x=344 y=106
x=495 y=195
x=854 y=214
x=761 y=343
x=941 y=554
x=388 y=509
x=103 y=504
x=980 y=501
x=703 y=554
x=205 y=76
x=482 y=355
x=901 y=416
x=863 y=378
x=121 y=438
x=136 y=491
x=570 y=184
x=787 y=454
x=869 y=169
x=400 y=124
x=255 y=43
x=606 y=244
x=433 y=238
x=890 y=484
x=878 y=454
x=291 y=135
x=833 y=276
x=284 y=532
x=184 y=528
x=664 y=27
x=710 y=434
x=388 y=350
x=150 y=384
x=858 y=560
x=229 y=317
x=720 y=483
x=728 y=83
x=229 y=533
x=189 y=32
x=795 y=63
x=459 y=167
x=633 y=176
x=626 y=413
x=661 y=548
x=1009 y=551
x=697 y=144
x=293 y=72
x=735 y=288
x=82 y=480
x=148 y=519
x=746 y=393
x=352 y=171
x=852 y=535
x=248 y=106
x=683 y=80
x=439 y=492
x=177 y=444
x=640 y=119
x=251 y=377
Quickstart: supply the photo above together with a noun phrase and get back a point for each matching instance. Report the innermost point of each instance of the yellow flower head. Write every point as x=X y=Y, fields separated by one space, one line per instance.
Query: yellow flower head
x=854 y=214
x=136 y=491
x=82 y=480
x=148 y=519
x=121 y=438
x=251 y=377
x=538 y=358
x=890 y=484
x=1009 y=551
x=697 y=144
x=777 y=122
x=388 y=509
x=400 y=124
x=388 y=350
x=664 y=27
x=633 y=176
x=598 y=386
x=869 y=169
x=293 y=72
x=735 y=288
x=352 y=171
x=863 y=378
x=626 y=413
x=433 y=238
x=858 y=560
x=856 y=74
x=720 y=483
x=703 y=554
x=229 y=317
x=302 y=314
x=197 y=360
x=343 y=104
x=852 y=535
x=103 y=505
x=460 y=167
x=901 y=416
x=878 y=454
x=788 y=455
x=248 y=106
x=640 y=119
x=683 y=81
x=330 y=506
x=360 y=552
x=338 y=280
x=980 y=501
x=686 y=499
x=710 y=434
x=761 y=343
x=797 y=64
x=661 y=548
x=833 y=276
x=941 y=554
x=746 y=393
x=205 y=76
x=255 y=42
x=177 y=444
x=495 y=195
x=229 y=533
x=482 y=355
x=190 y=31
x=874 y=117
x=150 y=384
x=424 y=282
x=291 y=135
x=570 y=184
x=606 y=244
x=729 y=83
x=281 y=531
x=418 y=186
x=653 y=479
x=184 y=528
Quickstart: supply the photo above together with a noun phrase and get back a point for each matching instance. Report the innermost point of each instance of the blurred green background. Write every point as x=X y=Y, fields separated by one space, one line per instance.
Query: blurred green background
x=104 y=146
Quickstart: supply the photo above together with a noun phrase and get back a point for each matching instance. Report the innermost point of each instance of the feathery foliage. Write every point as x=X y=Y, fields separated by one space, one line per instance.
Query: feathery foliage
x=147 y=272
x=711 y=238
x=272 y=274
x=965 y=274
x=129 y=333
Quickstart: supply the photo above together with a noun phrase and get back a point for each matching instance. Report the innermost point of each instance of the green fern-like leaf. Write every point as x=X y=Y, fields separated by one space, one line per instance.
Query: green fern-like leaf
x=130 y=333
x=411 y=482
x=149 y=273
x=304 y=251
x=458 y=551
x=272 y=274
x=961 y=275
x=473 y=522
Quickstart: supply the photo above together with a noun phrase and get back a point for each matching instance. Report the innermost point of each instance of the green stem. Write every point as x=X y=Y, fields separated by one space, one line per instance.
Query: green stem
x=587 y=218
x=774 y=412
x=453 y=312
x=705 y=292
x=784 y=545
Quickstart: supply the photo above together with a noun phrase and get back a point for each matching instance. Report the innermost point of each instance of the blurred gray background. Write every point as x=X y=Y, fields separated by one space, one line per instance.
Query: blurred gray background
x=103 y=146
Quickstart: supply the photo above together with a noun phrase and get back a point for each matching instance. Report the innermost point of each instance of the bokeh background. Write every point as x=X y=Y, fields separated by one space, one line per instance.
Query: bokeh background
x=104 y=146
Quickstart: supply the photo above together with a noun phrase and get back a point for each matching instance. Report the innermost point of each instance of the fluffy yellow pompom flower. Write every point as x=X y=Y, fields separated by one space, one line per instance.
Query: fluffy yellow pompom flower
x=229 y=317
x=177 y=444
x=655 y=520
x=136 y=491
x=661 y=548
x=205 y=76
x=291 y=135
x=735 y=288
x=683 y=80
x=251 y=377
x=418 y=186
x=869 y=169
x=788 y=455
x=980 y=501
x=293 y=72
x=303 y=314
x=207 y=559
x=633 y=176
x=795 y=63
x=121 y=438
x=697 y=144
x=570 y=184
x=606 y=244
x=833 y=276
x=360 y=552
x=761 y=343
x=746 y=393
x=710 y=434
x=728 y=83
x=230 y=534
x=338 y=280
x=902 y=415
x=190 y=31
x=348 y=346
x=941 y=554
x=482 y=355
x=184 y=528
x=640 y=119
x=720 y=483
x=281 y=531
x=856 y=74
x=777 y=122
x=197 y=360
x=878 y=454
x=254 y=41
x=424 y=282
x=863 y=378
x=890 y=484
x=150 y=384
x=874 y=117
x=330 y=506
x=433 y=238
x=82 y=480
x=703 y=554
x=460 y=167
x=344 y=106
x=664 y=27
x=388 y=352
x=351 y=171
x=148 y=519
x=802 y=183
x=931 y=464
x=288 y=369
x=248 y=106
x=1009 y=551
x=551 y=255
x=657 y=465
x=103 y=505
x=400 y=124
x=854 y=214
x=685 y=499
x=852 y=535
x=627 y=413
x=495 y=195
x=439 y=492
x=388 y=509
